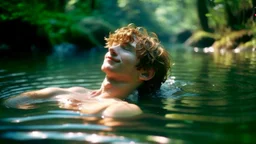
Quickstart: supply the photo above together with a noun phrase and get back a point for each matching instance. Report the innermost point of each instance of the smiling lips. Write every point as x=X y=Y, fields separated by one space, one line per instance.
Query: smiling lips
x=113 y=59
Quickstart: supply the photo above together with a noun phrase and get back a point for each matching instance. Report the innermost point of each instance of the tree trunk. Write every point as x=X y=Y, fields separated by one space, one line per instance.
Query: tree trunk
x=202 y=11
x=231 y=19
x=93 y=5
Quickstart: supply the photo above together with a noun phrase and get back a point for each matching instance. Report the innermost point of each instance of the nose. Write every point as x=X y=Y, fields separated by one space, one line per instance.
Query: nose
x=113 y=50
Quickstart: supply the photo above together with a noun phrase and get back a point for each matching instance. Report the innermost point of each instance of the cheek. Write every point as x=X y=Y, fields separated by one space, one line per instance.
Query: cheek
x=130 y=59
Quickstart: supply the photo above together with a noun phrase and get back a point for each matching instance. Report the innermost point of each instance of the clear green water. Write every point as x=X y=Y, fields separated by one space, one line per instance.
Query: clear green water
x=210 y=98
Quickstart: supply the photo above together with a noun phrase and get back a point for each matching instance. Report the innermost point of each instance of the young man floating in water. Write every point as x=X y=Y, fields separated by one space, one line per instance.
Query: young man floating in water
x=135 y=61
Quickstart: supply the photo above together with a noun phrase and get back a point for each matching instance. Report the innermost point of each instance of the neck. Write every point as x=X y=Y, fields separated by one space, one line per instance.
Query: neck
x=115 y=88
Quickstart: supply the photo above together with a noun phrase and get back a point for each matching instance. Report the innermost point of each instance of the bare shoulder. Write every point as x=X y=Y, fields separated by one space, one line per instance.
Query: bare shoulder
x=25 y=100
x=121 y=110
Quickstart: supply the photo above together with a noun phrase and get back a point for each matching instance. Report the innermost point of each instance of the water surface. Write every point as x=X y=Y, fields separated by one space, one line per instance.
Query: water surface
x=209 y=98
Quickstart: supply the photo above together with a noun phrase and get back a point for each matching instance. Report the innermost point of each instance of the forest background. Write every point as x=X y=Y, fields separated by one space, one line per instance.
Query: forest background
x=33 y=26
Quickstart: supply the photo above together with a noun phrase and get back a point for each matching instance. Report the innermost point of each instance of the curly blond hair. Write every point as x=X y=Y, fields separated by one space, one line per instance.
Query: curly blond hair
x=149 y=51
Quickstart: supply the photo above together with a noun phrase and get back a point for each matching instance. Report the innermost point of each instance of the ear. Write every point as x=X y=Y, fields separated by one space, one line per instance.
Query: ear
x=146 y=75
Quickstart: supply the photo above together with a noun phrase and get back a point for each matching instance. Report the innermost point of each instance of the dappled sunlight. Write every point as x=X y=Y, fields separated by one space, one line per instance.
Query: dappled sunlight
x=202 y=118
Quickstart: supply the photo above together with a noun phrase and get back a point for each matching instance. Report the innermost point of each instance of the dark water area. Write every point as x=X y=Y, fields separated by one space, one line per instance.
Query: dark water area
x=209 y=98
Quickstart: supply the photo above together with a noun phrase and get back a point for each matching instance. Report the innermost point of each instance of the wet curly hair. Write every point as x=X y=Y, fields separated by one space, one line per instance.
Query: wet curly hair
x=149 y=51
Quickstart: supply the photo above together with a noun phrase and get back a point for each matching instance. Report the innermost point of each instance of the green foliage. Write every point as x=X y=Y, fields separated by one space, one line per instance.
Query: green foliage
x=217 y=18
x=235 y=14
x=176 y=15
x=171 y=16
x=51 y=16
x=56 y=17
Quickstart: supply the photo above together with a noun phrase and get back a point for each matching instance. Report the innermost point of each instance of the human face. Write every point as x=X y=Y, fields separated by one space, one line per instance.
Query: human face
x=120 y=62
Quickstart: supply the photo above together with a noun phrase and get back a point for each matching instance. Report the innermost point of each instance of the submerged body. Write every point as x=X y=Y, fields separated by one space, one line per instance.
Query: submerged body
x=76 y=98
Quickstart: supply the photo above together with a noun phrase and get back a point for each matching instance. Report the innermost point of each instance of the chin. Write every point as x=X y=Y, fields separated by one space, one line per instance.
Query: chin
x=107 y=69
x=104 y=66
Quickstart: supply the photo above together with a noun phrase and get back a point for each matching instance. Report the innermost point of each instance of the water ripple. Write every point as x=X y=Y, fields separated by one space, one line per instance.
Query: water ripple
x=207 y=98
x=74 y=136
x=56 y=127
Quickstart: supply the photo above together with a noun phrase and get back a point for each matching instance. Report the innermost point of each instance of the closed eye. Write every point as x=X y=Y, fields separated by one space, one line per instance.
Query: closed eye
x=127 y=47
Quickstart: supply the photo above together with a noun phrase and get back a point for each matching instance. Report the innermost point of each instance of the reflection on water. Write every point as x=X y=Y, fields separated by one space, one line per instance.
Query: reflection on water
x=210 y=97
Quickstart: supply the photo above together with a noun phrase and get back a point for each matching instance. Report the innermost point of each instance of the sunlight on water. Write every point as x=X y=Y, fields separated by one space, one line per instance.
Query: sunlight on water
x=75 y=136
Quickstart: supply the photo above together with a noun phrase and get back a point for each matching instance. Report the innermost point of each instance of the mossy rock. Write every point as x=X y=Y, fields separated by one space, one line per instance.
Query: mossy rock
x=201 y=39
x=233 y=39
x=89 y=32
x=248 y=45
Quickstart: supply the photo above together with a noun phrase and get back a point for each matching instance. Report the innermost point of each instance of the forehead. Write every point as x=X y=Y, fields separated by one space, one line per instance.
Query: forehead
x=132 y=43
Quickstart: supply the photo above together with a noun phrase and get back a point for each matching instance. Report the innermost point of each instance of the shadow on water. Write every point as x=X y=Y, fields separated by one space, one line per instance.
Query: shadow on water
x=208 y=98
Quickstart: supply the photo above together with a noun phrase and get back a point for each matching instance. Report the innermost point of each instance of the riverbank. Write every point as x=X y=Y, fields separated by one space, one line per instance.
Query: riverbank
x=229 y=40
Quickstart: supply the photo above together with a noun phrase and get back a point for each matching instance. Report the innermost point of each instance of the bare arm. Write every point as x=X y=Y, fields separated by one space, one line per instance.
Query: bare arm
x=45 y=93
x=25 y=100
